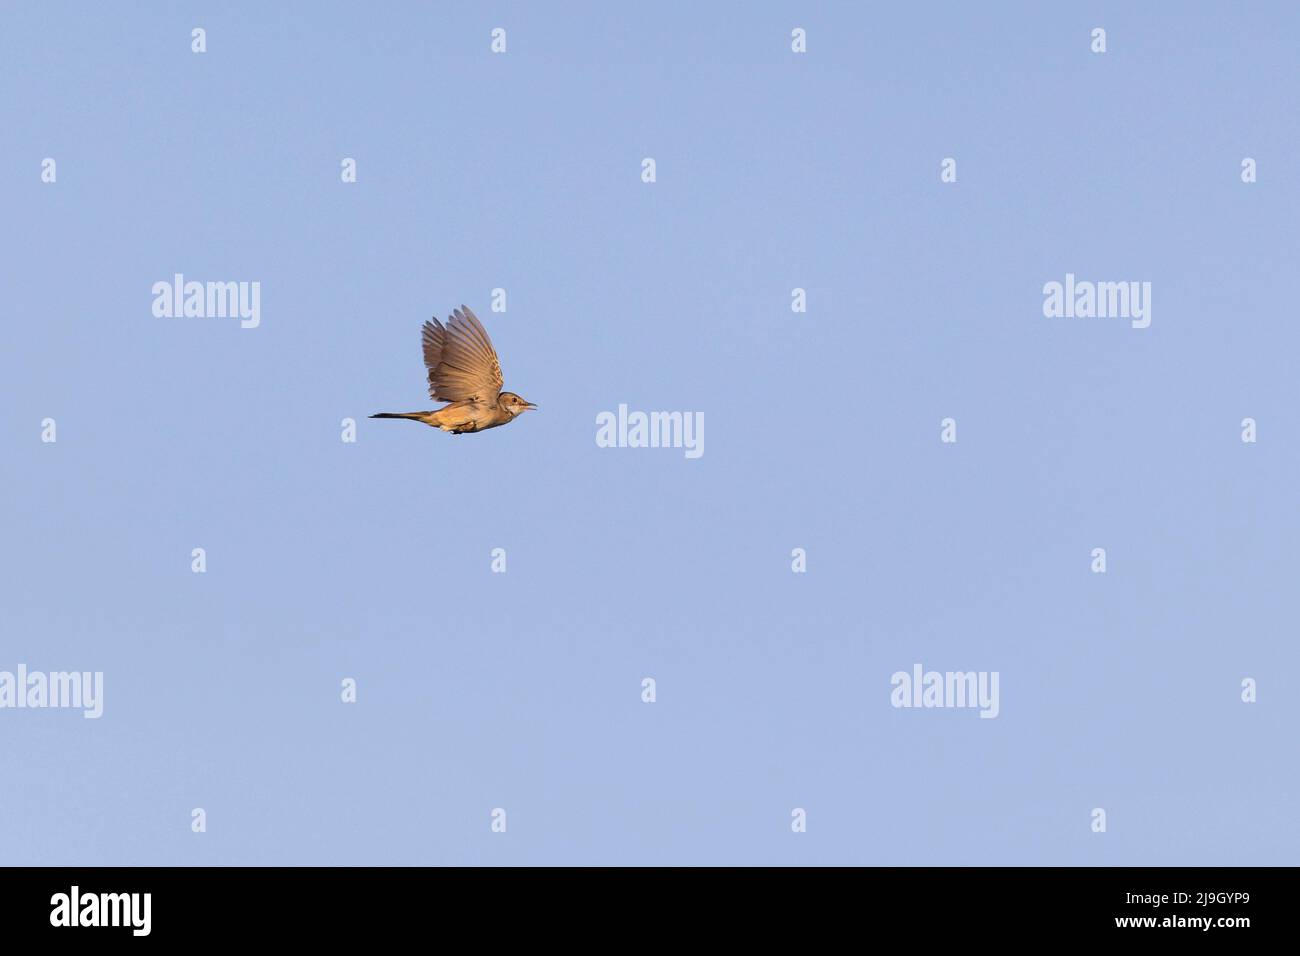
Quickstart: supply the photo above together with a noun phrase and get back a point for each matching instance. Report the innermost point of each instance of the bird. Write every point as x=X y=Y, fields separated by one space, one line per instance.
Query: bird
x=463 y=370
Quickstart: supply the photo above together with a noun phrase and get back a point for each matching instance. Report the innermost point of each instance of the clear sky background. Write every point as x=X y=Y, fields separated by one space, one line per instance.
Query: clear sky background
x=522 y=690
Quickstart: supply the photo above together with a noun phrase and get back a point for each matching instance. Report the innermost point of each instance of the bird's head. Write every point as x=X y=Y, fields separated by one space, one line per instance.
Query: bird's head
x=513 y=403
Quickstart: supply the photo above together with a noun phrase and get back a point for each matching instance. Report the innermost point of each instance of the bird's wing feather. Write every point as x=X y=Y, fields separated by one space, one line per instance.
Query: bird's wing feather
x=462 y=363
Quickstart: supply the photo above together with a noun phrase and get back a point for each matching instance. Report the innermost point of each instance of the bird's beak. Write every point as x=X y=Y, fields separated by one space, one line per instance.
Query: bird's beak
x=529 y=405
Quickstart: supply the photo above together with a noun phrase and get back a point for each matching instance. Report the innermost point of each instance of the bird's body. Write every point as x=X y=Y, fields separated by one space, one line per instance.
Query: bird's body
x=464 y=371
x=458 y=417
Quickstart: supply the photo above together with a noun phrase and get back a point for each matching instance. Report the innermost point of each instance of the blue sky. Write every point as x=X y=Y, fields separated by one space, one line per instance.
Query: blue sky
x=775 y=171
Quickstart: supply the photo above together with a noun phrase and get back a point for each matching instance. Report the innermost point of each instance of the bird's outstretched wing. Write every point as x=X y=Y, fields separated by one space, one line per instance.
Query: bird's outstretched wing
x=462 y=363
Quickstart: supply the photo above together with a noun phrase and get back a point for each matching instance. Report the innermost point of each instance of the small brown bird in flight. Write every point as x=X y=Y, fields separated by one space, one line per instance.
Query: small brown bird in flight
x=463 y=370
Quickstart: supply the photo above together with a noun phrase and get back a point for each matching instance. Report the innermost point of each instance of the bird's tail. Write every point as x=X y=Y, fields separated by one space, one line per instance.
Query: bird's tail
x=413 y=416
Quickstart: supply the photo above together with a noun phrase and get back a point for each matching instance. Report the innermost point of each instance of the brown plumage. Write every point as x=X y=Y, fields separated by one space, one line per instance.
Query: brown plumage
x=465 y=371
